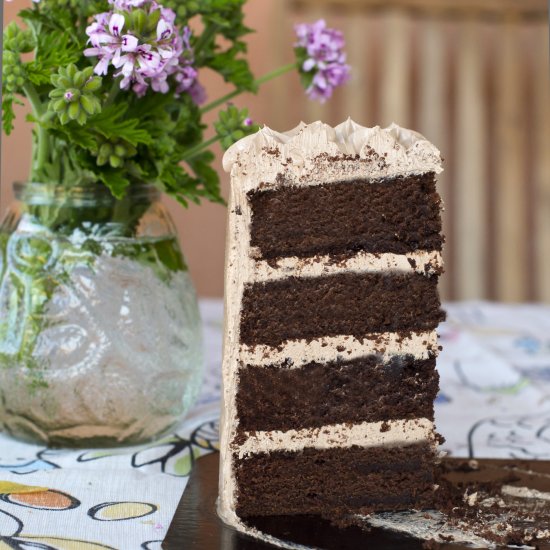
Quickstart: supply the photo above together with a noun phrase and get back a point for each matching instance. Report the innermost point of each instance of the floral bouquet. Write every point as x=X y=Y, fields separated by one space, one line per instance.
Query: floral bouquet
x=115 y=91
x=100 y=337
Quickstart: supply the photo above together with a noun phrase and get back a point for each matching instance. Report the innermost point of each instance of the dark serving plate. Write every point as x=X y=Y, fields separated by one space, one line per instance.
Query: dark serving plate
x=196 y=525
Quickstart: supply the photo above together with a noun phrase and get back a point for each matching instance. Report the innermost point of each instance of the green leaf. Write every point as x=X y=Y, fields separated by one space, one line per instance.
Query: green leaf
x=55 y=49
x=37 y=74
x=233 y=70
x=81 y=136
x=115 y=181
x=112 y=124
x=50 y=20
x=8 y=114
x=201 y=166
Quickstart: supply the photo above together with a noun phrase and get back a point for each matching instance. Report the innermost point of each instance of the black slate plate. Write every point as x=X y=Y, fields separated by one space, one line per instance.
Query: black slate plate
x=196 y=525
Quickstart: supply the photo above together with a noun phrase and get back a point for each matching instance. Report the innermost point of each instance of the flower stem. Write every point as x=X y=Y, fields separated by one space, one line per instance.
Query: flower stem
x=38 y=109
x=194 y=151
x=206 y=36
x=115 y=89
x=269 y=76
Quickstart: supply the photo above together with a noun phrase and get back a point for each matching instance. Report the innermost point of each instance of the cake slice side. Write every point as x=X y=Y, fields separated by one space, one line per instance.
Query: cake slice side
x=322 y=340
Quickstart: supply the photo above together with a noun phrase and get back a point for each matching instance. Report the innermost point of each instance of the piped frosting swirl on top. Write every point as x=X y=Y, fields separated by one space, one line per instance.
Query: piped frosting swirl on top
x=319 y=150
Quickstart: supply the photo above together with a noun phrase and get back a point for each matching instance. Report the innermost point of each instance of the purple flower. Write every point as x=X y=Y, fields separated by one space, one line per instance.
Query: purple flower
x=322 y=59
x=126 y=5
x=197 y=93
x=161 y=61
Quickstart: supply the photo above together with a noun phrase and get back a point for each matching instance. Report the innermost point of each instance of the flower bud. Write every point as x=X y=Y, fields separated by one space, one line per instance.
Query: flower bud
x=106 y=150
x=74 y=110
x=79 y=80
x=73 y=96
x=59 y=105
x=92 y=85
x=17 y=39
x=115 y=162
x=90 y=104
x=13 y=73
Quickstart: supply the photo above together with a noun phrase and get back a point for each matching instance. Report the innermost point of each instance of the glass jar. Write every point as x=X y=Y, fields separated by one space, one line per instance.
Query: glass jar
x=100 y=334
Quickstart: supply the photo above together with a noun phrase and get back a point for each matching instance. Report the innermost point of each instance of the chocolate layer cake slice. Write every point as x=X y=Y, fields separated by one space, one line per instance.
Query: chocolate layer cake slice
x=333 y=257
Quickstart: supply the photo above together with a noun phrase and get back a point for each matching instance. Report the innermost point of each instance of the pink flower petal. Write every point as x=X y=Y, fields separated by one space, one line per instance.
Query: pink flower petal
x=116 y=24
x=129 y=43
x=102 y=66
x=308 y=65
x=164 y=30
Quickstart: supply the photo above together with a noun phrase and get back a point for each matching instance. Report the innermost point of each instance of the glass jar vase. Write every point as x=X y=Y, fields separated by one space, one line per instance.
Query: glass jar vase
x=100 y=334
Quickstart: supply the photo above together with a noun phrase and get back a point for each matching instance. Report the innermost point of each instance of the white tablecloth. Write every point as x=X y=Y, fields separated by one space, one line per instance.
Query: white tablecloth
x=494 y=402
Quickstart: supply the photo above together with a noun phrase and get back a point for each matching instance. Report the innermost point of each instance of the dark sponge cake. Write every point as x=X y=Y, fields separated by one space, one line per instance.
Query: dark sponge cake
x=333 y=258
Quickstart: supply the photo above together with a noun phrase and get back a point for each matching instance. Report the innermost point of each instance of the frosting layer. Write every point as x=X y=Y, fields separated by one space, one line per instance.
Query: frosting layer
x=315 y=149
x=296 y=353
x=367 y=434
x=429 y=263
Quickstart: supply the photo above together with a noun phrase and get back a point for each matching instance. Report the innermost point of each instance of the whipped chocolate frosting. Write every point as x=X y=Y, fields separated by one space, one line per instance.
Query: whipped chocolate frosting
x=367 y=434
x=315 y=153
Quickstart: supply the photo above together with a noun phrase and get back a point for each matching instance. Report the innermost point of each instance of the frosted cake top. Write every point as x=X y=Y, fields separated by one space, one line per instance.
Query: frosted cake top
x=385 y=151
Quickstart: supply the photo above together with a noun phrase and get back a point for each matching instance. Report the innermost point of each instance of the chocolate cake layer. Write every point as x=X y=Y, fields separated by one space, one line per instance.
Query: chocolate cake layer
x=398 y=215
x=362 y=390
x=348 y=303
x=321 y=481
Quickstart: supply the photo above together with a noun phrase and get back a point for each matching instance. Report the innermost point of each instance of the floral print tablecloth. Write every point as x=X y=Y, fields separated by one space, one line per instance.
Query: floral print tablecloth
x=494 y=402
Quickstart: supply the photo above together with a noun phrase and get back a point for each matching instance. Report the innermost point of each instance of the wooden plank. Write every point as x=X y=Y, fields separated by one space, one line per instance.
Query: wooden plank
x=395 y=70
x=541 y=129
x=470 y=167
x=510 y=199
x=432 y=110
x=357 y=91
x=530 y=9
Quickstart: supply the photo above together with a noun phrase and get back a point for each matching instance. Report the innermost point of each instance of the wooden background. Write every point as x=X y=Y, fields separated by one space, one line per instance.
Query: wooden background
x=473 y=76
